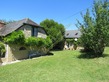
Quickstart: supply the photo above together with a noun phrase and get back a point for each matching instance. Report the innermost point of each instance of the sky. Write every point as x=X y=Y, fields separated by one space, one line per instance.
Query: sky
x=66 y=12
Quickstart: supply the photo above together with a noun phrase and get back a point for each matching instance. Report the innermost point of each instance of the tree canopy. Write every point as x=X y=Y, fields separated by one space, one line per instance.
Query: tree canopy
x=54 y=30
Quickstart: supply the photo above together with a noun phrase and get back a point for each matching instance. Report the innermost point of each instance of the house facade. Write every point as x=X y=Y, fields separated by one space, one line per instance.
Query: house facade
x=29 y=28
x=71 y=34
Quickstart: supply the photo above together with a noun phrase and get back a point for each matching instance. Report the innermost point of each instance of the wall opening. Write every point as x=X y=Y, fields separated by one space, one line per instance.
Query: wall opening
x=22 y=48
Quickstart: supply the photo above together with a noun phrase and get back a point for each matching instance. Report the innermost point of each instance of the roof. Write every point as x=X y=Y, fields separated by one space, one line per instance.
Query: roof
x=72 y=34
x=9 y=28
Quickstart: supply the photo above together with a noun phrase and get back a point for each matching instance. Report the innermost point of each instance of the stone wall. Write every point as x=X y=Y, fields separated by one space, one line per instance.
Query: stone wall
x=41 y=33
x=18 y=52
x=27 y=29
x=14 y=52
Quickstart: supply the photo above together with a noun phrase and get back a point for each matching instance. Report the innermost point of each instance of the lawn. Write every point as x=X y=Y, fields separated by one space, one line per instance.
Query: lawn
x=63 y=66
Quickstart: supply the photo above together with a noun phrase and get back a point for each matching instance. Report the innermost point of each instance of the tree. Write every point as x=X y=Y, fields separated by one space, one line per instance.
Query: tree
x=6 y=22
x=95 y=28
x=54 y=30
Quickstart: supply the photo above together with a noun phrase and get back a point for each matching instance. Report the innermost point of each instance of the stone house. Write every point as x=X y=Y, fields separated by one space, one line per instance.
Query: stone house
x=29 y=29
x=71 y=34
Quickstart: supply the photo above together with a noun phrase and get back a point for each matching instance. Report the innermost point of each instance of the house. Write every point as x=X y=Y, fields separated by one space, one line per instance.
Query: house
x=29 y=28
x=71 y=34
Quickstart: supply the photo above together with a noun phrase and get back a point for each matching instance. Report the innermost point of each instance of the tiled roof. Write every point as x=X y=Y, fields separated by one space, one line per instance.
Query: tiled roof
x=8 y=28
x=72 y=34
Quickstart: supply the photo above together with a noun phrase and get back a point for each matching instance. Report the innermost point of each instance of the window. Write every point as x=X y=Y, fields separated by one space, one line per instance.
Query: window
x=35 y=31
x=76 y=33
x=67 y=34
x=27 y=31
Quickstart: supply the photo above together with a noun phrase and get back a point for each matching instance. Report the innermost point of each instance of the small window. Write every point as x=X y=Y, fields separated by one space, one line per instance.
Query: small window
x=76 y=33
x=22 y=48
x=67 y=34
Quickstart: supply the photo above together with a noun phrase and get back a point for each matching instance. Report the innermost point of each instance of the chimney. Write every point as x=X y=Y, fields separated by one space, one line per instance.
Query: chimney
x=1 y=24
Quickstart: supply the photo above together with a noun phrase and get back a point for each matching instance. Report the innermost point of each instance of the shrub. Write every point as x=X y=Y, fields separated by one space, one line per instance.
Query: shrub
x=16 y=37
x=2 y=49
x=70 y=41
x=75 y=45
x=31 y=41
x=39 y=42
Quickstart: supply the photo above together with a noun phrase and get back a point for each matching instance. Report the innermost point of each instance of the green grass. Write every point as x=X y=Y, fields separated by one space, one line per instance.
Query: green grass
x=63 y=66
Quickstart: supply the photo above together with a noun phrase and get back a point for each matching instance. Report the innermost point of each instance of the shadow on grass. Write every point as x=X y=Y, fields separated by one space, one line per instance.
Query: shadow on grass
x=56 y=50
x=49 y=54
x=36 y=56
x=90 y=55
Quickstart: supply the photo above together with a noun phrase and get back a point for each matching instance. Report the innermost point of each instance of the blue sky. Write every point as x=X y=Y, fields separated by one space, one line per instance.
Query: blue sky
x=62 y=11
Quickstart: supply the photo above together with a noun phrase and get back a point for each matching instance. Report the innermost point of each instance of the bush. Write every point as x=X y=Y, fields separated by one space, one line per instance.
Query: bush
x=39 y=42
x=2 y=49
x=31 y=41
x=70 y=41
x=75 y=45
x=16 y=37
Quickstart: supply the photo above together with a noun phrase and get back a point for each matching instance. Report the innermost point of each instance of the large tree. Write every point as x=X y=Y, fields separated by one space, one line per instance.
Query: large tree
x=95 y=28
x=54 y=30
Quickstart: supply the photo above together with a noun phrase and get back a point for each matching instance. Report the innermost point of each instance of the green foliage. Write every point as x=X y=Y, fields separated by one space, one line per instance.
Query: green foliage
x=60 y=45
x=70 y=41
x=39 y=42
x=54 y=30
x=2 y=49
x=75 y=45
x=31 y=41
x=19 y=38
x=79 y=42
x=16 y=37
x=95 y=29
x=49 y=43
